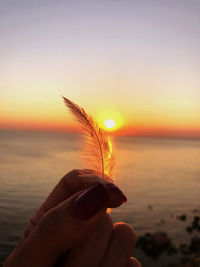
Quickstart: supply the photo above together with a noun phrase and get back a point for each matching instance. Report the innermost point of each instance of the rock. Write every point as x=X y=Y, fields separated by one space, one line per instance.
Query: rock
x=189 y=229
x=161 y=239
x=182 y=217
x=172 y=250
x=194 y=246
x=154 y=244
x=196 y=218
x=184 y=249
x=195 y=222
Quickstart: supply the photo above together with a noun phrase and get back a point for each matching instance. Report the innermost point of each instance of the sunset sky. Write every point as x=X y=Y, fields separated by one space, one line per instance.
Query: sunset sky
x=138 y=60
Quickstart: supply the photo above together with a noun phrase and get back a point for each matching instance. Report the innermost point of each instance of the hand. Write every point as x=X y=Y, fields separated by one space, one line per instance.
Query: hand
x=73 y=229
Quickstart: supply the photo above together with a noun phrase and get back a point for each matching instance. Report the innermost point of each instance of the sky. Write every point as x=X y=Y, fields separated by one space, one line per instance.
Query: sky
x=138 y=59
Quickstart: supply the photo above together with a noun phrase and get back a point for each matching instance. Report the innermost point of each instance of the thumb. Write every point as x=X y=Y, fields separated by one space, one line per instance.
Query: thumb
x=61 y=227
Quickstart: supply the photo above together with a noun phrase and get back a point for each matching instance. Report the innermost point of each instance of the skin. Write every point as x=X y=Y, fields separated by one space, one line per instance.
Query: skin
x=55 y=237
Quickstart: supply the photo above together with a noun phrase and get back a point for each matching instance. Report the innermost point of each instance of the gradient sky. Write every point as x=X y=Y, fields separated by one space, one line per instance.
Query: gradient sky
x=138 y=58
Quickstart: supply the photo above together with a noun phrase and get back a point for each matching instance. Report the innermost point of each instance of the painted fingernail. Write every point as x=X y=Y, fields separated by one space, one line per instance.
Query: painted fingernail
x=91 y=201
x=114 y=189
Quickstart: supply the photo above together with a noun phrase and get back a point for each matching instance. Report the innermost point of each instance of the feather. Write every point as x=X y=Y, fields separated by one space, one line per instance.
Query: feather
x=98 y=149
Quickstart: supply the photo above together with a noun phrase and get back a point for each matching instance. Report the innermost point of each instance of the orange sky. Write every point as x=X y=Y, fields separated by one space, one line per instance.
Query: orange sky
x=57 y=118
x=138 y=61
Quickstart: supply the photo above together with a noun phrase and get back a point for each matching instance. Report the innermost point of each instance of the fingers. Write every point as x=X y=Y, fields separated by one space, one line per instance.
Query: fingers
x=71 y=183
x=121 y=246
x=61 y=227
x=133 y=262
x=91 y=249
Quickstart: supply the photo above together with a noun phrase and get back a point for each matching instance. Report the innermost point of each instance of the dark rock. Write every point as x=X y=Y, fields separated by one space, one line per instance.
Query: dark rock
x=196 y=218
x=172 y=250
x=182 y=217
x=184 y=249
x=189 y=229
x=195 y=222
x=194 y=246
x=154 y=244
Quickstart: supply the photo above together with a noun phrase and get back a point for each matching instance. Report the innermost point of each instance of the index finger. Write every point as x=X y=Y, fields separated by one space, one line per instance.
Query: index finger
x=74 y=181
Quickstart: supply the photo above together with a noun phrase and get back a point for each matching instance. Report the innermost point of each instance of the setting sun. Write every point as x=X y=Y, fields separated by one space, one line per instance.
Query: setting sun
x=110 y=123
x=110 y=120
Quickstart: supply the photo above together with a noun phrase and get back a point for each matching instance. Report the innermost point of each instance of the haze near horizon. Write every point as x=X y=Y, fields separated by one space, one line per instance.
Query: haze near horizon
x=139 y=59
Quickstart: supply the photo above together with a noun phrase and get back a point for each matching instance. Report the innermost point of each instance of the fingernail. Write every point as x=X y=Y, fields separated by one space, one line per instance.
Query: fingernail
x=91 y=201
x=114 y=189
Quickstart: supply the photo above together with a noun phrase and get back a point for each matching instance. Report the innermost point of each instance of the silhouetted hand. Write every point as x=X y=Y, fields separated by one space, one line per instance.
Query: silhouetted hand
x=73 y=229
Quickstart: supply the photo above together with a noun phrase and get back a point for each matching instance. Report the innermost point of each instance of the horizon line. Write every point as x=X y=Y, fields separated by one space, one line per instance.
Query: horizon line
x=143 y=134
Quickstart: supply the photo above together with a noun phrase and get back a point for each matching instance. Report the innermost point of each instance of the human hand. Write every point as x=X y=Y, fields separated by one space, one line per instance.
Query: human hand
x=72 y=228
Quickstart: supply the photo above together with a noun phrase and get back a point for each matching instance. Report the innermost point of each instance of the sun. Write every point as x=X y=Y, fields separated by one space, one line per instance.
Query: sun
x=110 y=120
x=110 y=123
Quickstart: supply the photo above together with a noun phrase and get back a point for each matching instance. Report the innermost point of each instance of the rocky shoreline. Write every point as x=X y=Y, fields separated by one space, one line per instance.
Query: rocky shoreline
x=154 y=245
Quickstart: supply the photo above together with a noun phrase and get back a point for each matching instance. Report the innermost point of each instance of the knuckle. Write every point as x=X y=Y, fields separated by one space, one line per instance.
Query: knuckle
x=50 y=221
x=44 y=209
x=69 y=177
x=125 y=235
x=33 y=221
x=78 y=179
x=74 y=172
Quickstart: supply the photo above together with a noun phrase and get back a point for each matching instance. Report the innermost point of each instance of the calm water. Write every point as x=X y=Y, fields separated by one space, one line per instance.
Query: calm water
x=162 y=173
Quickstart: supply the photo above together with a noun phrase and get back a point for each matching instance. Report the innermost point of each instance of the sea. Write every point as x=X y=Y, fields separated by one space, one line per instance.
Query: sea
x=160 y=177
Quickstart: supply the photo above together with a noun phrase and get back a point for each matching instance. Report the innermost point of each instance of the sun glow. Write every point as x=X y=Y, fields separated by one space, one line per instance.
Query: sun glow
x=110 y=120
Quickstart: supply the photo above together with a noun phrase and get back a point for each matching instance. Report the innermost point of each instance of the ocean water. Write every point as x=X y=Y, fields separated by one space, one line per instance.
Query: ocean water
x=161 y=178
